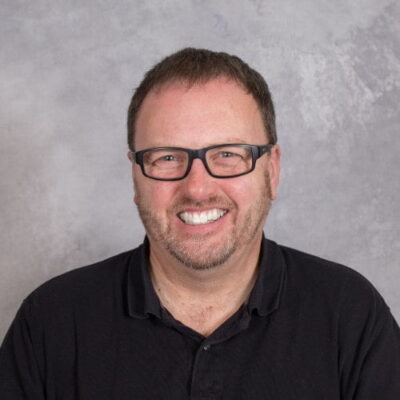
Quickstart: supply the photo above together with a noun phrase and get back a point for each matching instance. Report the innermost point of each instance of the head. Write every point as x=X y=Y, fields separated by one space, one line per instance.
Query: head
x=195 y=99
x=195 y=66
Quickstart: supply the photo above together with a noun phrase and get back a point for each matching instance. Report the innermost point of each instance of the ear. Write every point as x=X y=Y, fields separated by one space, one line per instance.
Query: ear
x=130 y=157
x=274 y=169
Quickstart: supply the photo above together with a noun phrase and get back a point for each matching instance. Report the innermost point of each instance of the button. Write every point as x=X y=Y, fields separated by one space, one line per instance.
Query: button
x=206 y=347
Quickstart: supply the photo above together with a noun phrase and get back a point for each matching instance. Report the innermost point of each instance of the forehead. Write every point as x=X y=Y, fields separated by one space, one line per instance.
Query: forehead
x=218 y=111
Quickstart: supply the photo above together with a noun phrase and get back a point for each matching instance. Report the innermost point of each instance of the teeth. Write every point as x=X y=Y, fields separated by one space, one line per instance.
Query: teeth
x=198 y=218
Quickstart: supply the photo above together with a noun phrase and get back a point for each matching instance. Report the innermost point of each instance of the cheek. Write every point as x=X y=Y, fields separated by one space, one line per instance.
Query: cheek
x=155 y=194
x=240 y=190
x=252 y=188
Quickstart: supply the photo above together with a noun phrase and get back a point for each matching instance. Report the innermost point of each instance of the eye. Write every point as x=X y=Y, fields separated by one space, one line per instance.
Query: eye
x=164 y=159
x=226 y=154
x=168 y=157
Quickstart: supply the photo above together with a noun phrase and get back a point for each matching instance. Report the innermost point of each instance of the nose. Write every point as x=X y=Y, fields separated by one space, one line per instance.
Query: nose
x=199 y=184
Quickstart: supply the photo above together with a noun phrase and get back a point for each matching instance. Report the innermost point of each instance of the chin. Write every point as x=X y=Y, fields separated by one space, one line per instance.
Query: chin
x=200 y=253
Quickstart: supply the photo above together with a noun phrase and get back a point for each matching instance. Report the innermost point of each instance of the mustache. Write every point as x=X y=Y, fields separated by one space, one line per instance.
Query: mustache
x=213 y=202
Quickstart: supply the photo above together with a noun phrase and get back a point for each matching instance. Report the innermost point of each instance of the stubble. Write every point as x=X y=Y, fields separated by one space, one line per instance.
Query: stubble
x=200 y=251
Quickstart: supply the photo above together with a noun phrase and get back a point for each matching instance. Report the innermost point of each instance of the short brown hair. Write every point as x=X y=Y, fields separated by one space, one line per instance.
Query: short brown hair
x=193 y=66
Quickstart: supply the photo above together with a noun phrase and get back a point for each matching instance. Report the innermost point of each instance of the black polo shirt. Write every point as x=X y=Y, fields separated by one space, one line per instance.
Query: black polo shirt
x=311 y=329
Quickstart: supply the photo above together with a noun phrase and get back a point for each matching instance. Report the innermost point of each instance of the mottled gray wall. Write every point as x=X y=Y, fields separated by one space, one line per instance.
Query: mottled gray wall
x=67 y=73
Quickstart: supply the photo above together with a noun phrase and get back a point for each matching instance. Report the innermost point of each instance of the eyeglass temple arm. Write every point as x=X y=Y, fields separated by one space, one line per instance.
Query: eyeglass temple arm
x=264 y=149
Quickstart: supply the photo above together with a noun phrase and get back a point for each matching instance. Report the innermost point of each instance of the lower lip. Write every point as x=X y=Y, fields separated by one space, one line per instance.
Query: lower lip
x=203 y=228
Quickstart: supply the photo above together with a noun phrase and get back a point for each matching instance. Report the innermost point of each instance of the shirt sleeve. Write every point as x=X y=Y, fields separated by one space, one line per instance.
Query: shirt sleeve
x=20 y=376
x=369 y=351
x=380 y=373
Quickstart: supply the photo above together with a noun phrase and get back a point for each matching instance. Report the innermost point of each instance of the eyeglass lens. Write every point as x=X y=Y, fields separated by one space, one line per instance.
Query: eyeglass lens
x=221 y=161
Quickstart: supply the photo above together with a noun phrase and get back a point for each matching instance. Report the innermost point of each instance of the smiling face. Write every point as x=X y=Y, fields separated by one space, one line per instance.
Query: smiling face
x=201 y=220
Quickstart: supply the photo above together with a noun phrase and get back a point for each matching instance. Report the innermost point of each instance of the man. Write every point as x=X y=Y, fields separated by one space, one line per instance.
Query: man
x=206 y=308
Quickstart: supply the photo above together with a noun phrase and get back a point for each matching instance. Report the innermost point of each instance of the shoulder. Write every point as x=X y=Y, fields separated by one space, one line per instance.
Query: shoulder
x=317 y=270
x=81 y=285
x=330 y=282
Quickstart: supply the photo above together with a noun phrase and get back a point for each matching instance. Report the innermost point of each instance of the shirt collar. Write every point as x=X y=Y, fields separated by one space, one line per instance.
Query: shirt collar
x=142 y=299
x=264 y=298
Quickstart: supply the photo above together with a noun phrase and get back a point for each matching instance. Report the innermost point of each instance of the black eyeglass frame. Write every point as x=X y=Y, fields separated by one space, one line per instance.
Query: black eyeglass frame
x=256 y=152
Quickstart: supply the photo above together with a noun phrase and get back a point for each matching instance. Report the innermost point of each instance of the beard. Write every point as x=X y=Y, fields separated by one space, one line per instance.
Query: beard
x=202 y=251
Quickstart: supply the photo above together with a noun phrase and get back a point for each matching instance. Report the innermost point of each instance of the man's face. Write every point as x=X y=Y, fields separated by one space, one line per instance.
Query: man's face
x=217 y=112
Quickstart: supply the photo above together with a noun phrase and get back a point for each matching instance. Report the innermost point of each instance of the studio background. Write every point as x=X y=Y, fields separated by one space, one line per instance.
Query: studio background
x=68 y=70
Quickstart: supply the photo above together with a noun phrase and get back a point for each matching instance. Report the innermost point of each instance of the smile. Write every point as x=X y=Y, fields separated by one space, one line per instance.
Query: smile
x=204 y=217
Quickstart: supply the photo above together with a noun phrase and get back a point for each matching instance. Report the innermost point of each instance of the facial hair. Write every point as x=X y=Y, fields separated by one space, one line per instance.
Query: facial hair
x=199 y=251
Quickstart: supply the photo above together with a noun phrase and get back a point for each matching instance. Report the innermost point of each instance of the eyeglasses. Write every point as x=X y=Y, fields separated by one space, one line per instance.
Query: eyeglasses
x=220 y=161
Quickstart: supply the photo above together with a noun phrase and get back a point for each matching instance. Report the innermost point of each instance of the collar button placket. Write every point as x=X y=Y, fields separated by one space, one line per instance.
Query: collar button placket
x=202 y=375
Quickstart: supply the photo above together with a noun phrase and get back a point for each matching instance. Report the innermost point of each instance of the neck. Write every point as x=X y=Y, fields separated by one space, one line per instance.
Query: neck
x=204 y=299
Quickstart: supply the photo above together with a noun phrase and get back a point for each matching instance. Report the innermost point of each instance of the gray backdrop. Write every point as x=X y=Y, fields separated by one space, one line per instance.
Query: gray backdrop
x=68 y=69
